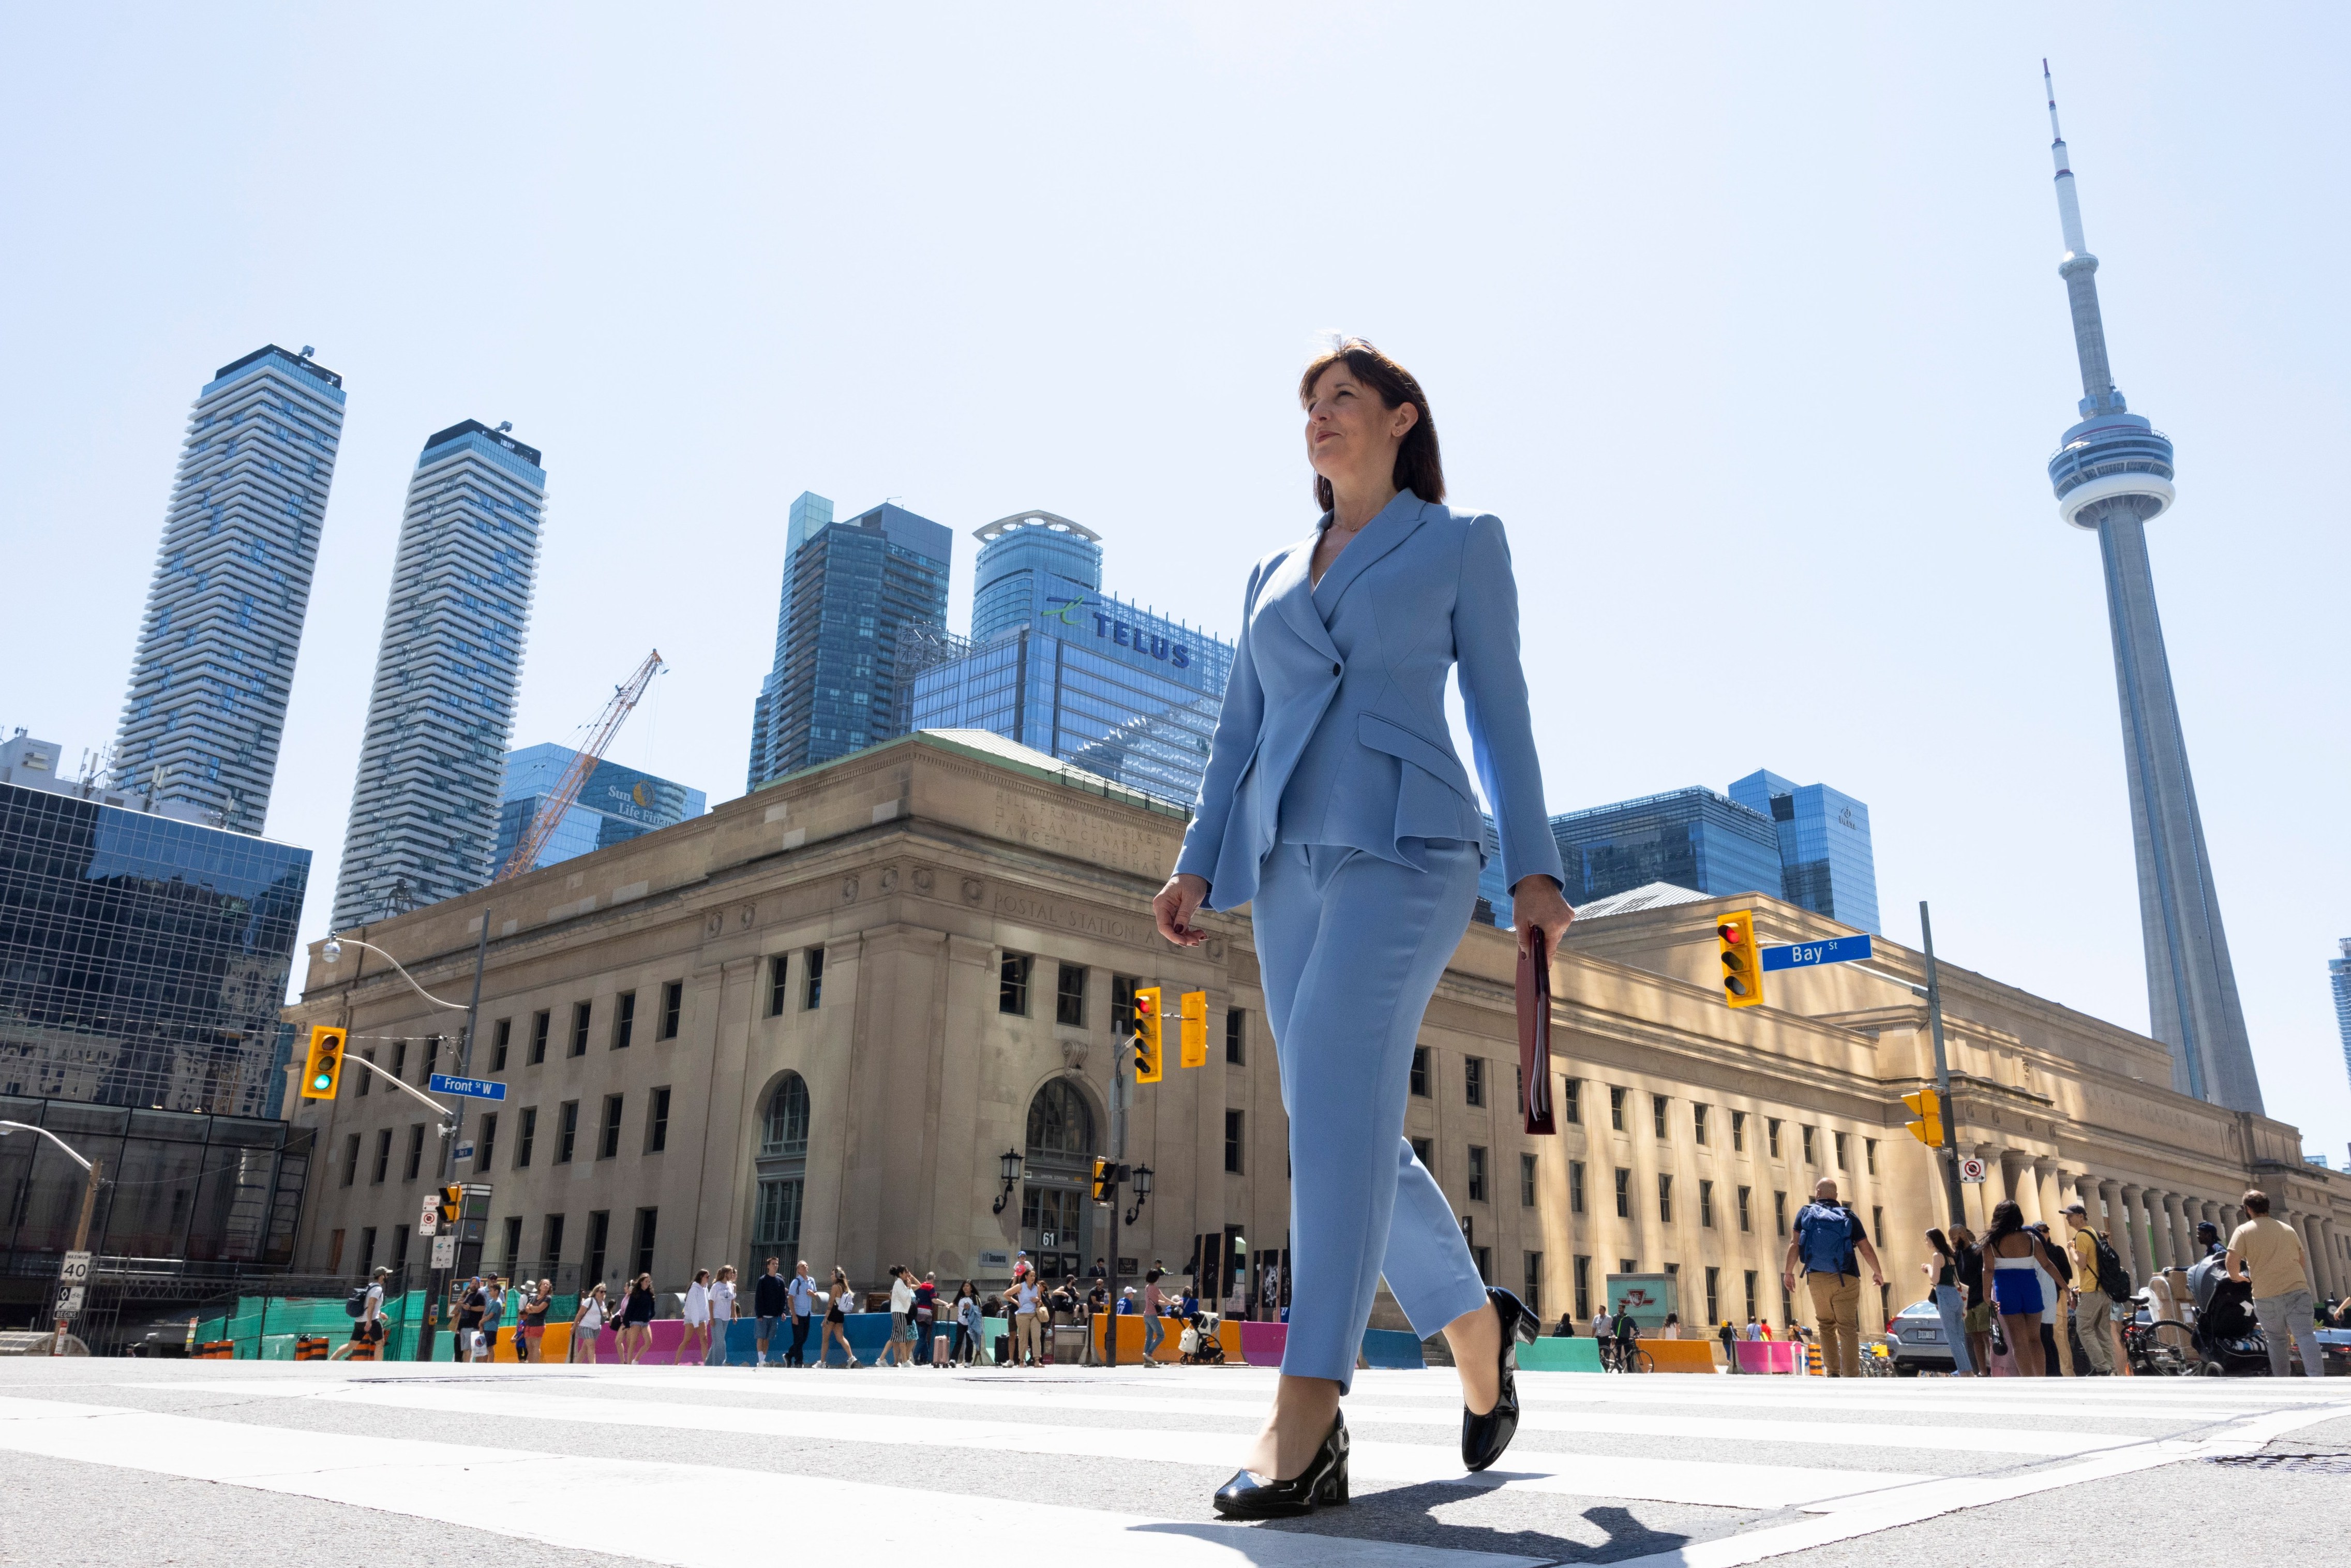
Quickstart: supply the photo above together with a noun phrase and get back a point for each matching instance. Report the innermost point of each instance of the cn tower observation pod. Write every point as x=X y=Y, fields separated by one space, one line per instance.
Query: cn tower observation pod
x=2114 y=457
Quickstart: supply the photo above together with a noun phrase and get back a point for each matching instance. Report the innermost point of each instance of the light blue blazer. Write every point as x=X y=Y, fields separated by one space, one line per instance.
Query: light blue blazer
x=1334 y=729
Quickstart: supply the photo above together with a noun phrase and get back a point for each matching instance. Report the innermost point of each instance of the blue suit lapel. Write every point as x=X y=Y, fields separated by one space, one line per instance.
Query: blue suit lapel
x=1291 y=591
x=1394 y=524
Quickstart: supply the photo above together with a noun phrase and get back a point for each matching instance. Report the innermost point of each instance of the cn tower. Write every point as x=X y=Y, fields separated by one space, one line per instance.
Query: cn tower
x=2113 y=475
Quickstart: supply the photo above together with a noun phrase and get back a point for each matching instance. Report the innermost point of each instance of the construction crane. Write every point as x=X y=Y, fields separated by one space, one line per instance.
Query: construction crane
x=583 y=762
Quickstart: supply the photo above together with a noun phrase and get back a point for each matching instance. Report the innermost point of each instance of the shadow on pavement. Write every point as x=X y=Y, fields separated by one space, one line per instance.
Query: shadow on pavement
x=1406 y=1516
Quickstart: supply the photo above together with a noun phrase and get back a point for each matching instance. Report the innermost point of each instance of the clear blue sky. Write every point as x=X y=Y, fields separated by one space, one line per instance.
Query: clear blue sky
x=1745 y=320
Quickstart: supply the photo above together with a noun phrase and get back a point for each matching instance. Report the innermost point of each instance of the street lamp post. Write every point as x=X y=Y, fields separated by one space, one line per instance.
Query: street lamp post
x=81 y=1230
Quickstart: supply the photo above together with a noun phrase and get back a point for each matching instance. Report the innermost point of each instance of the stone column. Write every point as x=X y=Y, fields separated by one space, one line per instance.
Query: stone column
x=2108 y=1211
x=2313 y=1269
x=2131 y=1234
x=2175 y=1226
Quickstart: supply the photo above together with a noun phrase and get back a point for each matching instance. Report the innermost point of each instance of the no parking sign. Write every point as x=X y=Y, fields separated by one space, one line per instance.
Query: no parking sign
x=1971 y=1169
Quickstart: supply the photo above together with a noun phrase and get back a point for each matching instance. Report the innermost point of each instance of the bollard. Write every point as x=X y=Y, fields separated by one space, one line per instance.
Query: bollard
x=310 y=1347
x=216 y=1350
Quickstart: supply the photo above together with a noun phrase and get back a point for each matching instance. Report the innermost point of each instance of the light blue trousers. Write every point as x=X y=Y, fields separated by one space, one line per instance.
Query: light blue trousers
x=1351 y=948
x=1951 y=1307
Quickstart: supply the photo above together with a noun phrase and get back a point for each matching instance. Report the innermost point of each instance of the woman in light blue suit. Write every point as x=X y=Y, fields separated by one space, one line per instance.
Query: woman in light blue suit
x=1334 y=805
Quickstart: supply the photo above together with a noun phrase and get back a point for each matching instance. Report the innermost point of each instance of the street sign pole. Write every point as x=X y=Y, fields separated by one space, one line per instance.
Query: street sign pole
x=450 y=1133
x=1117 y=1153
x=1950 y=1156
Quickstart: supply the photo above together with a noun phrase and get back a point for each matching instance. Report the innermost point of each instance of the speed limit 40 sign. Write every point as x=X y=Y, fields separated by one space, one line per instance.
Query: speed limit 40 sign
x=1971 y=1169
x=75 y=1271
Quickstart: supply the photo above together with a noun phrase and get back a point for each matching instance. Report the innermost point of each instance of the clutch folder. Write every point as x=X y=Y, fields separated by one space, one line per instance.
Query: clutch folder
x=1534 y=1031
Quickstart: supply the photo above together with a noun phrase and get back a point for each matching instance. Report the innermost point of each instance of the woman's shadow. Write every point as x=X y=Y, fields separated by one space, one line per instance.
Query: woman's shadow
x=1407 y=1515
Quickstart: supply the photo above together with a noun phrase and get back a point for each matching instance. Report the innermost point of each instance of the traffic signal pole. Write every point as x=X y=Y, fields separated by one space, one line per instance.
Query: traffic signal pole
x=1952 y=1191
x=450 y=1135
x=1117 y=1153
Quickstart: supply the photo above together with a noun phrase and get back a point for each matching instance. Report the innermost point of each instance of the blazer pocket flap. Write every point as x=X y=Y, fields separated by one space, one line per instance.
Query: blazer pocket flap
x=1383 y=735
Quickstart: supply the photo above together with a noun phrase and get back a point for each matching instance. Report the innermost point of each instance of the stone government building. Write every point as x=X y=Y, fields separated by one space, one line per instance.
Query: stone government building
x=811 y=1023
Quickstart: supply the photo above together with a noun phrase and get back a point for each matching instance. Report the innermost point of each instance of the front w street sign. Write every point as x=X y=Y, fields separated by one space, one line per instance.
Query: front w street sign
x=1806 y=955
x=485 y=1089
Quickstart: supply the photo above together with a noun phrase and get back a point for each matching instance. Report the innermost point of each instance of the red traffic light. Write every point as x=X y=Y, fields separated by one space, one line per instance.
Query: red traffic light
x=1730 y=931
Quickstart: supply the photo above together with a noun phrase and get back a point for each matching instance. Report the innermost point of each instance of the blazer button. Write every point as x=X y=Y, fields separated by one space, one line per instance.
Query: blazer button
x=1335 y=669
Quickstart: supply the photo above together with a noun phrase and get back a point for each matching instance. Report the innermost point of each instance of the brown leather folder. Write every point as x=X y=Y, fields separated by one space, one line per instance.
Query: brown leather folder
x=1534 y=1032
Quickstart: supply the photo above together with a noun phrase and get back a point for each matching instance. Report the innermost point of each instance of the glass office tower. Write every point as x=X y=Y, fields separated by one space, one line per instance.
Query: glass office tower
x=2339 y=975
x=614 y=805
x=1826 y=864
x=1080 y=674
x=143 y=957
x=424 y=811
x=1692 y=837
x=216 y=662
x=853 y=591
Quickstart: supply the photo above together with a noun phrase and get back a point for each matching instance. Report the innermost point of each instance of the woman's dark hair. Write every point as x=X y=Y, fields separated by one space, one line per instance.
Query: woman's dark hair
x=2007 y=1221
x=1941 y=1243
x=1418 y=466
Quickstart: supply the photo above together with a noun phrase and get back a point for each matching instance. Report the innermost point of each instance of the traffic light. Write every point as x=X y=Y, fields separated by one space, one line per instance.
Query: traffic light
x=1929 y=1128
x=1743 y=971
x=1196 y=1028
x=1147 y=1024
x=1105 y=1183
x=453 y=1201
x=323 y=1068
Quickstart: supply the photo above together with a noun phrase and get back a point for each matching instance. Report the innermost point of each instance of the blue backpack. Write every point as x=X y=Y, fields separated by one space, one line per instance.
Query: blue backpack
x=1824 y=1240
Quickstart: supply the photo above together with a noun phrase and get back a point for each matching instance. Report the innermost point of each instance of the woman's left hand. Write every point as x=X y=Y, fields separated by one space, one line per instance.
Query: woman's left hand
x=1536 y=905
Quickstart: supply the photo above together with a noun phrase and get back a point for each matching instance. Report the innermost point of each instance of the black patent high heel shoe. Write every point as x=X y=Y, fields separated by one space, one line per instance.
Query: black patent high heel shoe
x=1324 y=1480
x=1483 y=1438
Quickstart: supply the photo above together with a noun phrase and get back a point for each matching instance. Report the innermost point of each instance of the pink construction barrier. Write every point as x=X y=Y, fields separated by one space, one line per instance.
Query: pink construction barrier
x=668 y=1333
x=1767 y=1356
x=1262 y=1344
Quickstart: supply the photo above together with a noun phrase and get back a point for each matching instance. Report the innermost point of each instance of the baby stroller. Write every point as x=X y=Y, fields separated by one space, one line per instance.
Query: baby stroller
x=1200 y=1346
x=2228 y=1335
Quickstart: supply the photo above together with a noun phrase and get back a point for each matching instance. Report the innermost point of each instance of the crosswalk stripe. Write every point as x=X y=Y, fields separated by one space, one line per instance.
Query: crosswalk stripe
x=689 y=1516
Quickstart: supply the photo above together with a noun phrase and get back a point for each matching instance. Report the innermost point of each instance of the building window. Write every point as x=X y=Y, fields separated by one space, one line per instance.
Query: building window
x=513 y=1253
x=366 y=1079
x=812 y=979
x=1665 y=1199
x=566 y=1131
x=1779 y=1214
x=1122 y=1004
x=1876 y=1225
x=351 y=1163
x=1582 y=1286
x=1869 y=1156
x=672 y=1009
x=1012 y=983
x=1420 y=1071
x=1473 y=1080
x=1706 y=1213
x=1570 y=1099
x=657 y=1122
x=647 y=1219
x=1713 y=1302
x=525 y=1134
x=1485 y=1257
x=1628 y=1265
x=382 y=1157
x=1747 y=1209
x=400 y=1250
x=1526 y=1181
x=1657 y=1104
x=1425 y=1152
x=608 y=1137
x=1070 y=997
x=1698 y=1124
x=779 y=974
x=539 y=1026
x=415 y=1150
x=498 y=1050
x=1812 y=1150
x=599 y=1236
x=1575 y=1186
x=486 y=1142
x=400 y=1059
x=1771 y=1135
x=1750 y=1295
x=581 y=1012
x=1235 y=1031
x=1477 y=1173
x=1624 y=1193
x=1739 y=1131
x=625 y=1020
x=550 y=1242
x=1617 y=1110
x=367 y=1252
x=1233 y=1141
x=431 y=1059
x=1838 y=1140
x=1534 y=1277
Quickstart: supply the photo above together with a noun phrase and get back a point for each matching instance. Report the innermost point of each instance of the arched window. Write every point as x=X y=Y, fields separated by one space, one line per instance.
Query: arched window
x=783 y=1133
x=781 y=1172
x=1060 y=1121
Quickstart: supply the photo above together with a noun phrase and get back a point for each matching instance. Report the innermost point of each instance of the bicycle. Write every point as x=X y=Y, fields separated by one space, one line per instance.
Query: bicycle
x=2160 y=1349
x=1878 y=1361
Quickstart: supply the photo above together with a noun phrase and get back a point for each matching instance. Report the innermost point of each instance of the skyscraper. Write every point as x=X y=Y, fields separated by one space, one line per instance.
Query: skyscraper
x=424 y=810
x=2113 y=474
x=1692 y=837
x=208 y=685
x=853 y=591
x=615 y=804
x=1058 y=665
x=1826 y=864
x=2339 y=975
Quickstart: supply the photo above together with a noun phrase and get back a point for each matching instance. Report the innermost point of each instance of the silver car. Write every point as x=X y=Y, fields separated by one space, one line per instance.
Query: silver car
x=1917 y=1336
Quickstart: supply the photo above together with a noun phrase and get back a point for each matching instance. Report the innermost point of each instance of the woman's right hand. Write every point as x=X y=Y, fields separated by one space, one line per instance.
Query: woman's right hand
x=1174 y=906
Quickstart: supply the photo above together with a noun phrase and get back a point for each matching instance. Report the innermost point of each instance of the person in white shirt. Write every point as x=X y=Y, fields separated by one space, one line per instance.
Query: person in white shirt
x=836 y=1320
x=900 y=1350
x=1027 y=1304
x=722 y=1311
x=694 y=1346
x=800 y=1295
x=588 y=1325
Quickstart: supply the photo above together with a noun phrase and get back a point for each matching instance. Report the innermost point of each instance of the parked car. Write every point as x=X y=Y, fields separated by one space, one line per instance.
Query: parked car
x=1917 y=1336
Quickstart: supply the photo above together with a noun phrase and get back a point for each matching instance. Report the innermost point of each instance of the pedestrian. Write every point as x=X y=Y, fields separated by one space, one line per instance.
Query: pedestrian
x=963 y=1351
x=531 y=1326
x=1153 y=1331
x=368 y=1330
x=770 y=1304
x=472 y=1303
x=1673 y=1329
x=2207 y=1236
x=800 y=1295
x=1729 y=1338
x=1627 y=1334
x=1027 y=1301
x=2014 y=1253
x=2096 y=1267
x=722 y=1311
x=1831 y=1243
x=900 y=1350
x=836 y=1321
x=2056 y=1285
x=637 y=1311
x=493 y=1314
x=1020 y=1267
x=1975 y=1320
x=588 y=1324
x=1602 y=1325
x=693 y=1341
x=926 y=1316
x=1566 y=1329
x=1943 y=1289
x=2269 y=1254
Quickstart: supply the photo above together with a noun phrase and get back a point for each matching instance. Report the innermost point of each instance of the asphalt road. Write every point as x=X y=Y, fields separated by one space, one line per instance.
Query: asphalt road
x=118 y=1462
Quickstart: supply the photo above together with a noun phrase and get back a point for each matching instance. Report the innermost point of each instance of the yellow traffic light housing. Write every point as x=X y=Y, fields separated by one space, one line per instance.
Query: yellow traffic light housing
x=1147 y=1035
x=1742 y=967
x=1195 y=1035
x=1101 y=1181
x=1928 y=1107
x=453 y=1202
x=322 y=1069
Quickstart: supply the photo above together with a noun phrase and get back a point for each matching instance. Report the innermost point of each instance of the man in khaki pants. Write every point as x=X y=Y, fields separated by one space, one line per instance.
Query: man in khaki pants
x=1825 y=1241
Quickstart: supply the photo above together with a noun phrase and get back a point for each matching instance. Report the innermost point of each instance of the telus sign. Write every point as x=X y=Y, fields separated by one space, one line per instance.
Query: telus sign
x=1126 y=633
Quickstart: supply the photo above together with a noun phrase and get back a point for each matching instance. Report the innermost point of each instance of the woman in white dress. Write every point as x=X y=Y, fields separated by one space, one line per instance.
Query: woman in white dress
x=588 y=1325
x=694 y=1346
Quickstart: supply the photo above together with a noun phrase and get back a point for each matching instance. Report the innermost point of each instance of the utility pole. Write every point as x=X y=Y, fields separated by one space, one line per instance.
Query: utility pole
x=73 y=1276
x=1950 y=1150
x=1117 y=1153
x=456 y=1130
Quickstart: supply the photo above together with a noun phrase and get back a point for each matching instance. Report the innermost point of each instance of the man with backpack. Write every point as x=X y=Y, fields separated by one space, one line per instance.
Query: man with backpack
x=1827 y=1240
x=2101 y=1280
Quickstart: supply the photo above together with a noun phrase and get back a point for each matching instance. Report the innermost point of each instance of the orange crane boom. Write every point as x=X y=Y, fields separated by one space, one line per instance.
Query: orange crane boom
x=583 y=763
